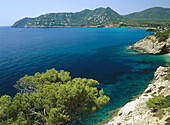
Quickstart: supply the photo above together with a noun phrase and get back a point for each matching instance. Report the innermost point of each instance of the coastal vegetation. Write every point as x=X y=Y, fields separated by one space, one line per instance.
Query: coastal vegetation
x=168 y=75
x=150 y=30
x=168 y=121
x=51 y=98
x=100 y=17
x=154 y=17
x=152 y=107
x=162 y=35
x=160 y=104
x=156 y=43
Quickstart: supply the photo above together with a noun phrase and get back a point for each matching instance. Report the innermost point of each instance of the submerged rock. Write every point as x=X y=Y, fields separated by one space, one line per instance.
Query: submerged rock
x=136 y=112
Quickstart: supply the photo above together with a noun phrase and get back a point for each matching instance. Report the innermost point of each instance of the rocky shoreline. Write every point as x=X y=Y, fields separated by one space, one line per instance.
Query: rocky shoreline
x=96 y=26
x=136 y=112
x=151 y=45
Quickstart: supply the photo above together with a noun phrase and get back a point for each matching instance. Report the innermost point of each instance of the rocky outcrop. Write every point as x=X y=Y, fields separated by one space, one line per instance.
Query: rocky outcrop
x=136 y=112
x=151 y=45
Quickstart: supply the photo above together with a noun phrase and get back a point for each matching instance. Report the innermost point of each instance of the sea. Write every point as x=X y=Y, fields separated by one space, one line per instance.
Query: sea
x=97 y=53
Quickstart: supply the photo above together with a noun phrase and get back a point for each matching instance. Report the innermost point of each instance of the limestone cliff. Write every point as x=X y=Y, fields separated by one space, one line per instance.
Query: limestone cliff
x=151 y=45
x=136 y=112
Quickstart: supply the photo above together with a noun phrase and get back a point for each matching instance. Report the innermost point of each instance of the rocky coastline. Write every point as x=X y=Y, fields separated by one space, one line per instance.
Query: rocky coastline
x=136 y=112
x=151 y=45
x=90 y=26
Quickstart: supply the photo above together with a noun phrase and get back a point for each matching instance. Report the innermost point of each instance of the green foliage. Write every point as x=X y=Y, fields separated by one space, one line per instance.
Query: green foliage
x=167 y=121
x=150 y=30
x=168 y=110
x=168 y=75
x=152 y=17
x=162 y=35
x=168 y=25
x=149 y=38
x=151 y=13
x=51 y=98
x=158 y=103
x=100 y=16
x=153 y=41
x=5 y=102
x=29 y=84
x=160 y=113
x=158 y=34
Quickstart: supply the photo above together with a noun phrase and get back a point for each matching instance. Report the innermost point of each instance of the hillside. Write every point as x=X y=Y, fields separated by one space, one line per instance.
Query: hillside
x=99 y=17
x=86 y=17
x=155 y=13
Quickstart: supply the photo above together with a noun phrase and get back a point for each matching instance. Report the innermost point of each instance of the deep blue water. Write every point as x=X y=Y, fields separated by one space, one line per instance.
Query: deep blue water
x=98 y=53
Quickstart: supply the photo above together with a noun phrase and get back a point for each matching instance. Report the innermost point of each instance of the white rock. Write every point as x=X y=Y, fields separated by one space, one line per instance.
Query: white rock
x=136 y=112
x=151 y=45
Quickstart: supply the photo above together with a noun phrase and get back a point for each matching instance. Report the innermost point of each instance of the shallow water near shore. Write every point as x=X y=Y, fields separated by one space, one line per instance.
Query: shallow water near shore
x=98 y=53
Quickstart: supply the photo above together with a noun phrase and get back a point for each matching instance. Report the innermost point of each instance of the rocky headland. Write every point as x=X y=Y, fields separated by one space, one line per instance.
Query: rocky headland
x=151 y=45
x=137 y=112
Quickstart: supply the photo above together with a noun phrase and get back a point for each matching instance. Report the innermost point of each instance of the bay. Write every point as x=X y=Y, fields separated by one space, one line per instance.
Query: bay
x=98 y=53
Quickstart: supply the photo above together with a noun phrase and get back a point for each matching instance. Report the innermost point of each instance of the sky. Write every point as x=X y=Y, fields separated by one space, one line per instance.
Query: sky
x=13 y=10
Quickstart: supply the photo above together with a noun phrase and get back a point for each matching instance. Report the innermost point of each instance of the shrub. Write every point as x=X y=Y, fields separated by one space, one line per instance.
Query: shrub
x=162 y=36
x=150 y=30
x=158 y=34
x=158 y=102
x=167 y=121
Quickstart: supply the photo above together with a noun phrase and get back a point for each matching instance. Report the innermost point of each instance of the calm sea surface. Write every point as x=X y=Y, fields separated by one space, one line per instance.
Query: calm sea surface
x=98 y=53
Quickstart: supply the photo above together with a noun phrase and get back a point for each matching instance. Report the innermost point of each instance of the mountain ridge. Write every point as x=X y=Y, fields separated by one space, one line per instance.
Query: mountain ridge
x=156 y=11
x=98 y=17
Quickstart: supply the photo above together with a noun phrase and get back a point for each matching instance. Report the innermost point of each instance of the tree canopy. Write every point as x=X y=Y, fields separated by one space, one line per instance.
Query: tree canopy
x=163 y=35
x=150 y=30
x=51 y=98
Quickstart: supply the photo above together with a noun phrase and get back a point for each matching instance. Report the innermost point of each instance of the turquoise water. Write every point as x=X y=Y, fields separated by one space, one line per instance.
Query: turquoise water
x=98 y=53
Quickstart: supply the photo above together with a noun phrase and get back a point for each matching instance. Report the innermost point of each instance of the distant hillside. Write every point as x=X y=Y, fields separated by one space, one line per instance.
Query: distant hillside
x=23 y=22
x=153 y=14
x=84 y=18
x=99 y=17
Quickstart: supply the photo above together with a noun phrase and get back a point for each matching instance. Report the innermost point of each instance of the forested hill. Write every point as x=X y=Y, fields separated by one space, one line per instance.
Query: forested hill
x=99 y=17
x=155 y=13
x=83 y=18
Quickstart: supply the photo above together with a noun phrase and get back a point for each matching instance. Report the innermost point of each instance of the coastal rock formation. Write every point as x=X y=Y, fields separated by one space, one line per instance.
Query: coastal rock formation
x=136 y=112
x=151 y=45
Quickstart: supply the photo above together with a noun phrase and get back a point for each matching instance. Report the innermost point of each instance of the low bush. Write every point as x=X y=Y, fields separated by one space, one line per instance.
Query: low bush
x=162 y=36
x=158 y=104
x=168 y=121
